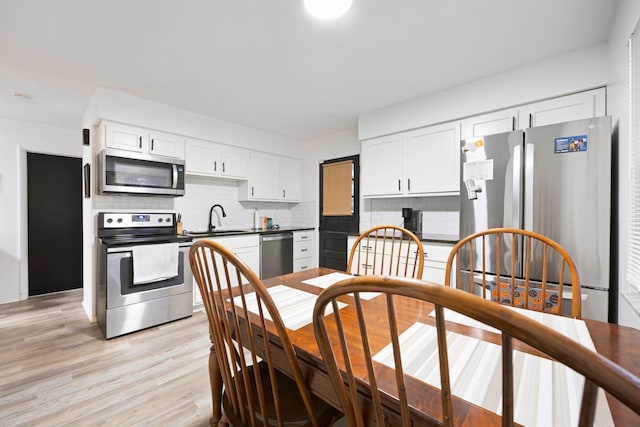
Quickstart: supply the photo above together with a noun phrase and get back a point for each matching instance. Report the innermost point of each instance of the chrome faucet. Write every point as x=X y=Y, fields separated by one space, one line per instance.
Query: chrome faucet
x=211 y=226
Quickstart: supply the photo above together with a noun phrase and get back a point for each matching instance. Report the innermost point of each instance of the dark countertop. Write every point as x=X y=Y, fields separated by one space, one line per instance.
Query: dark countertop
x=238 y=232
x=429 y=237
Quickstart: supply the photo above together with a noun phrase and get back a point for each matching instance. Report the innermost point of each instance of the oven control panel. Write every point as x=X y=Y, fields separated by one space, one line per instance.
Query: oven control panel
x=128 y=220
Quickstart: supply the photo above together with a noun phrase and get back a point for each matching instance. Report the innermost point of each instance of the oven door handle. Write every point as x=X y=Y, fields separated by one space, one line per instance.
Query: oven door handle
x=174 y=168
x=118 y=249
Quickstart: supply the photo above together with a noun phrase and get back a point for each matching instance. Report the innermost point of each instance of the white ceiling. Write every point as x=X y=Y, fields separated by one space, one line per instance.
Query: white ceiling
x=266 y=64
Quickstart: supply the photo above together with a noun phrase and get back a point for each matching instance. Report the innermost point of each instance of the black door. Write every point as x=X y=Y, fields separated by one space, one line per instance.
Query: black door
x=339 y=209
x=54 y=197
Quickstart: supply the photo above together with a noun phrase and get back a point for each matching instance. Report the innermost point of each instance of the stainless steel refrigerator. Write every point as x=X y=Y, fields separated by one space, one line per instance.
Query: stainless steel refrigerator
x=554 y=180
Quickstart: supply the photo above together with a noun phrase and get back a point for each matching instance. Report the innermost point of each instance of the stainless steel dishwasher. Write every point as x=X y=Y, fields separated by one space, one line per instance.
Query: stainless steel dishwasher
x=276 y=254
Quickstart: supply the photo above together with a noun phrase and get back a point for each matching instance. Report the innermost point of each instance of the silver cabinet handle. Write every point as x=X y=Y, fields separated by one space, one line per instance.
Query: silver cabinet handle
x=304 y=237
x=284 y=193
x=215 y=165
x=408 y=184
x=223 y=167
x=252 y=191
x=151 y=144
x=304 y=250
x=399 y=185
x=140 y=141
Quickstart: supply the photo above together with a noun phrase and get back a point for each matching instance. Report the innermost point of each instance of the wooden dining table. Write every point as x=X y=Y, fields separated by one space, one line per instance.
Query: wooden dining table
x=619 y=343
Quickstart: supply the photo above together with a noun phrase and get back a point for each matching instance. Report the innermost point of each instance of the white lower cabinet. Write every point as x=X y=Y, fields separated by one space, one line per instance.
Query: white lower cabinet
x=302 y=250
x=247 y=248
x=435 y=259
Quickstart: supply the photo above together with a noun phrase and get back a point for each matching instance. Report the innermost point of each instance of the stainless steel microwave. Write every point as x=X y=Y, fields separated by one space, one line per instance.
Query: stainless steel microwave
x=139 y=173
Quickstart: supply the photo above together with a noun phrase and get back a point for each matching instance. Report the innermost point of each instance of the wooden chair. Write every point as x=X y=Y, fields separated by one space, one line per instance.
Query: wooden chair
x=254 y=390
x=387 y=250
x=348 y=341
x=535 y=278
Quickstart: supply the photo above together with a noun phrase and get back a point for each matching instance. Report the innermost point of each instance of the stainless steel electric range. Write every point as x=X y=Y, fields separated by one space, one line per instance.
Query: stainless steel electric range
x=144 y=278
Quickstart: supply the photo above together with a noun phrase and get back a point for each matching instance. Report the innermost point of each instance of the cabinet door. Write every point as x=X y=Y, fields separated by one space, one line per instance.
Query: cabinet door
x=247 y=248
x=197 y=296
x=432 y=159
x=264 y=183
x=235 y=162
x=202 y=158
x=491 y=123
x=165 y=144
x=125 y=137
x=381 y=167
x=291 y=179
x=581 y=105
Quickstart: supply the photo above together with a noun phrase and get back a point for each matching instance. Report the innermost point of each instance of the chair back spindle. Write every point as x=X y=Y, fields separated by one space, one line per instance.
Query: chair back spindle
x=387 y=250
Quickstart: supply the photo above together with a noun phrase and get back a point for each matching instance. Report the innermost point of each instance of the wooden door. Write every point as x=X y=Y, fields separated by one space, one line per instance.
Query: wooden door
x=339 y=209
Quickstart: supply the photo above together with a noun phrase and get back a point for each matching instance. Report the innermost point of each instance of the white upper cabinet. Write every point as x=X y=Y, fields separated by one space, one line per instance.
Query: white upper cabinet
x=490 y=123
x=235 y=162
x=202 y=158
x=577 y=106
x=381 y=167
x=432 y=159
x=581 y=105
x=264 y=177
x=124 y=137
x=141 y=140
x=290 y=179
x=272 y=178
x=210 y=159
x=422 y=162
x=166 y=144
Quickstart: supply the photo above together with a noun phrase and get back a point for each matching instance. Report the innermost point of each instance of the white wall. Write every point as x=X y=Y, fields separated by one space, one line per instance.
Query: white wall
x=121 y=107
x=545 y=79
x=341 y=144
x=16 y=139
x=627 y=15
x=541 y=80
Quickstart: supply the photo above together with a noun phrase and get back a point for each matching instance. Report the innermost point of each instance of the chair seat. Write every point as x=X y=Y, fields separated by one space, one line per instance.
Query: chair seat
x=295 y=414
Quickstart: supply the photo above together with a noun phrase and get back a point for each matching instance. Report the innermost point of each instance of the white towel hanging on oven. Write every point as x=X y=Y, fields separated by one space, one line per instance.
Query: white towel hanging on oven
x=152 y=263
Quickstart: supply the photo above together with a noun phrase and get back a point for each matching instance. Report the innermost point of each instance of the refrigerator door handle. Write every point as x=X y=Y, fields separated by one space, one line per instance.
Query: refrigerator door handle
x=517 y=186
x=528 y=190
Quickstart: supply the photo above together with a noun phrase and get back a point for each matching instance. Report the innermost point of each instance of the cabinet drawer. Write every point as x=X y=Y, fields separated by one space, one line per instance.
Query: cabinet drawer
x=246 y=241
x=301 y=264
x=301 y=236
x=302 y=249
x=436 y=252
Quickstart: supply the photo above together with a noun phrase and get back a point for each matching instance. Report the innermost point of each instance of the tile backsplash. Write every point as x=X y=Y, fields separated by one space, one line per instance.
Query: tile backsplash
x=201 y=193
x=440 y=214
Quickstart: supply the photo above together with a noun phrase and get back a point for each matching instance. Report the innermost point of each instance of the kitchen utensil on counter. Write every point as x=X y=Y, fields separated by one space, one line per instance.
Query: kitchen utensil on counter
x=179 y=227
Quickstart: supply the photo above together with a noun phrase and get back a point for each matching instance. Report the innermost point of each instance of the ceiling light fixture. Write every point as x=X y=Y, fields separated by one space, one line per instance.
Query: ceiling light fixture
x=327 y=9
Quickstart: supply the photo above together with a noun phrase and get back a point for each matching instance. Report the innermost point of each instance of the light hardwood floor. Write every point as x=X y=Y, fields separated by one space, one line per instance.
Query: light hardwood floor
x=56 y=369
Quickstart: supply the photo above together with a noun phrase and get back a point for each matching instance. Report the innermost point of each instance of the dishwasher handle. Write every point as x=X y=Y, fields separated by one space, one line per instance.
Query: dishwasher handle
x=279 y=236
